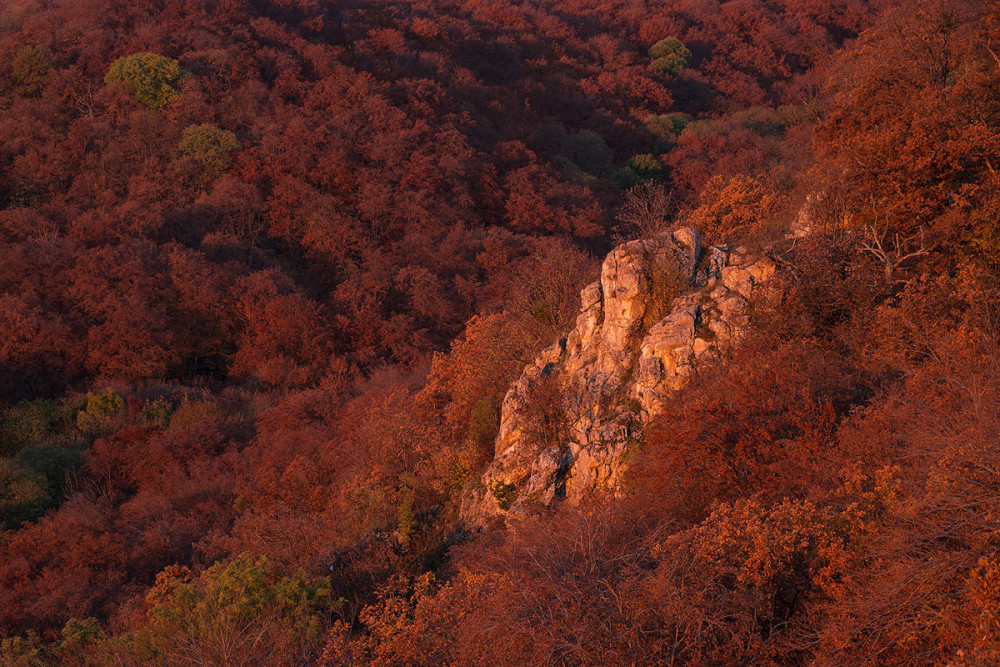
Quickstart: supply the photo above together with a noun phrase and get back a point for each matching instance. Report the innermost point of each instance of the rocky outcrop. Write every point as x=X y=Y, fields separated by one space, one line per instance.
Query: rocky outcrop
x=661 y=307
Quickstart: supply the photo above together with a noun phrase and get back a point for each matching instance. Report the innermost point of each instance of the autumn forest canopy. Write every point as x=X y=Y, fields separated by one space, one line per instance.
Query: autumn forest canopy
x=268 y=269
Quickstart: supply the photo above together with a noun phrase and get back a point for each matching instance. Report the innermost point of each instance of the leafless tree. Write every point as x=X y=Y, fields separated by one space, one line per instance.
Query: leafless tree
x=648 y=210
x=892 y=251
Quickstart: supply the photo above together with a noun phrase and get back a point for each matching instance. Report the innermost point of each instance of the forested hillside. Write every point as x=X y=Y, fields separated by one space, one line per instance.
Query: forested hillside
x=268 y=269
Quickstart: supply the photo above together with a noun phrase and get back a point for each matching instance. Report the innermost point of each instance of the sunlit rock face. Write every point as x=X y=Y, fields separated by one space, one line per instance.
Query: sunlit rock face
x=661 y=307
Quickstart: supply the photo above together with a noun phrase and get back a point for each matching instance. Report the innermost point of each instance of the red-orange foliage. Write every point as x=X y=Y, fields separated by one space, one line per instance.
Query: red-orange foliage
x=735 y=209
x=909 y=136
x=312 y=339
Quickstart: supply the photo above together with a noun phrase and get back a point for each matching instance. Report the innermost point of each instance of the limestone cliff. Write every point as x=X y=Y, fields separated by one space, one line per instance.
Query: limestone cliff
x=661 y=307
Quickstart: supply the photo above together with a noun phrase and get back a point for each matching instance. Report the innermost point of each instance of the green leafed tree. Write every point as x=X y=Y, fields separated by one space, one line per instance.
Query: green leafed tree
x=590 y=152
x=30 y=70
x=646 y=166
x=244 y=612
x=667 y=126
x=27 y=424
x=670 y=56
x=151 y=78
x=101 y=410
x=23 y=494
x=208 y=147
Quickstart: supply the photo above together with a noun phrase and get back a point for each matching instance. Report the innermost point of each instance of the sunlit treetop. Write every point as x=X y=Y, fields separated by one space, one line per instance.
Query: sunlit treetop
x=670 y=56
x=151 y=78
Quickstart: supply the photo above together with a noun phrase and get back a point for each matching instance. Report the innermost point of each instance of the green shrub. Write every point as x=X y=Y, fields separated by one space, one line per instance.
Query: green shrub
x=152 y=79
x=713 y=127
x=30 y=70
x=157 y=412
x=541 y=312
x=27 y=424
x=101 y=410
x=590 y=152
x=770 y=122
x=208 y=146
x=24 y=494
x=640 y=168
x=670 y=56
x=667 y=126
x=241 y=504
x=646 y=166
x=77 y=635
x=625 y=178
x=505 y=493
x=22 y=651
x=246 y=603
x=52 y=464
x=22 y=195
